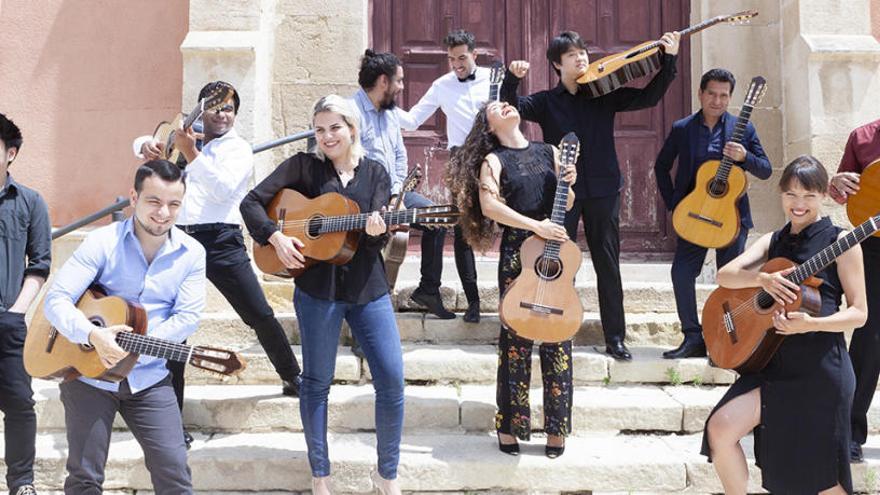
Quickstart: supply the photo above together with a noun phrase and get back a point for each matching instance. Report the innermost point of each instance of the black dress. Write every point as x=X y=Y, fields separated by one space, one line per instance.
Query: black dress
x=528 y=186
x=802 y=441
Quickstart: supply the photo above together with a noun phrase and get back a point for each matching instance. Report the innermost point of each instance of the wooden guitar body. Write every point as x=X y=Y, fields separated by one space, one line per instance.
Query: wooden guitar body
x=542 y=303
x=708 y=216
x=48 y=354
x=613 y=71
x=334 y=247
x=739 y=331
x=164 y=133
x=394 y=254
x=866 y=203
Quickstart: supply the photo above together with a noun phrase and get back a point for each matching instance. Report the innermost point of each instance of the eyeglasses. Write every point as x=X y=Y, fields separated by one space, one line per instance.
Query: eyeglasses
x=225 y=109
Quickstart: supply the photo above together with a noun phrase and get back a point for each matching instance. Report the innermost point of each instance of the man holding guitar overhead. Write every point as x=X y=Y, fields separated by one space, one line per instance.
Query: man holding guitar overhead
x=863 y=149
x=146 y=260
x=459 y=93
x=566 y=108
x=705 y=135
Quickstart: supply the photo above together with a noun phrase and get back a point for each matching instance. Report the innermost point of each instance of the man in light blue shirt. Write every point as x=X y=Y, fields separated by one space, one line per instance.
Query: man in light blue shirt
x=145 y=260
x=381 y=80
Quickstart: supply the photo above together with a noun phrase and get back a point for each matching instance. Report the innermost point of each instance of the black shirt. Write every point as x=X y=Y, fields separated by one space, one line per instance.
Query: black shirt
x=559 y=112
x=25 y=239
x=362 y=279
x=528 y=179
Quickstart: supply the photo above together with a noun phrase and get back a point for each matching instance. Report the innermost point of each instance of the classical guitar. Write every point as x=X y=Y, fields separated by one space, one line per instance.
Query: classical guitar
x=48 y=354
x=609 y=73
x=496 y=77
x=164 y=132
x=542 y=304
x=329 y=227
x=738 y=323
x=395 y=251
x=708 y=216
x=865 y=203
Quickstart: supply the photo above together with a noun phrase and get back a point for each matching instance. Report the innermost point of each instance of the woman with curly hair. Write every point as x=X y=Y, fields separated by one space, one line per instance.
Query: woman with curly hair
x=499 y=176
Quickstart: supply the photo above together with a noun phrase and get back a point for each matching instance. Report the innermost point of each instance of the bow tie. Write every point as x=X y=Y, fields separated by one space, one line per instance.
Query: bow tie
x=472 y=77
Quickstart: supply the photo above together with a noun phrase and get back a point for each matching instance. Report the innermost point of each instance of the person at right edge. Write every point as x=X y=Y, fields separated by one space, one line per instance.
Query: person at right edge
x=566 y=108
x=695 y=139
x=862 y=149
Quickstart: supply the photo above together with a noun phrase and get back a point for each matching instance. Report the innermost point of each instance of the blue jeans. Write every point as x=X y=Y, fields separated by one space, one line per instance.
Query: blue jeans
x=375 y=328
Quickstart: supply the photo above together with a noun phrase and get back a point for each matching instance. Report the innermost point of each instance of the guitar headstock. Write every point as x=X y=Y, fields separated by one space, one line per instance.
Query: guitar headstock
x=496 y=77
x=569 y=149
x=438 y=216
x=756 y=91
x=216 y=98
x=740 y=17
x=219 y=361
x=412 y=180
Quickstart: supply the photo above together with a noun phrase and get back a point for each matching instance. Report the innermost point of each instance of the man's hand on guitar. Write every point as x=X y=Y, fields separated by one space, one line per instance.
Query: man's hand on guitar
x=519 y=68
x=783 y=290
x=152 y=149
x=735 y=151
x=550 y=231
x=846 y=183
x=103 y=339
x=185 y=141
x=375 y=224
x=287 y=249
x=670 y=42
x=792 y=323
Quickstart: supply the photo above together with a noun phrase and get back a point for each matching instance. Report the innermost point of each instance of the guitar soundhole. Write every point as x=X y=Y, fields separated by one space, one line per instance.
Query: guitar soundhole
x=314 y=227
x=548 y=269
x=717 y=188
x=97 y=321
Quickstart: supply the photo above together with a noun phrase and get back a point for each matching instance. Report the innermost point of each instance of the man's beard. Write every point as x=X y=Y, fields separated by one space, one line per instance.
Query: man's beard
x=153 y=231
x=389 y=102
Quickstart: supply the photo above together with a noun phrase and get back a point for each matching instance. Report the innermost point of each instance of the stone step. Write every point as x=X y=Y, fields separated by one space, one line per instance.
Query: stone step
x=638 y=296
x=269 y=462
x=227 y=330
x=256 y=408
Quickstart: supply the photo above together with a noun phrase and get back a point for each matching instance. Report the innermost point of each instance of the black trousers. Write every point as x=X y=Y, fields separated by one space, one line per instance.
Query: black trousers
x=686 y=267
x=229 y=269
x=601 y=218
x=432 y=247
x=466 y=266
x=17 y=403
x=864 y=348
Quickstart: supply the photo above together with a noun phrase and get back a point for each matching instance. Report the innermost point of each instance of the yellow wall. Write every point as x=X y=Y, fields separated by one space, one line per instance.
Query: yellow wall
x=82 y=78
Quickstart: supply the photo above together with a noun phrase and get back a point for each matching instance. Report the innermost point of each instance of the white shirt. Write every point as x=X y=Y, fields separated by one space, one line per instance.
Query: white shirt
x=460 y=101
x=216 y=181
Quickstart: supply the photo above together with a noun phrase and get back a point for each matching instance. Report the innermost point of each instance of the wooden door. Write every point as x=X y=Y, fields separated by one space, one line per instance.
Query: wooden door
x=521 y=29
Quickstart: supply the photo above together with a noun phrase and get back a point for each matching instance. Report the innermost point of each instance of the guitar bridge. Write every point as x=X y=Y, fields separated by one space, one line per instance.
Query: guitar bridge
x=714 y=223
x=282 y=214
x=540 y=308
x=729 y=324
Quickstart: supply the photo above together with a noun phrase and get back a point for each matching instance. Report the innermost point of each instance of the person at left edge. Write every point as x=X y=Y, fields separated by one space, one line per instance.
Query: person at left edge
x=25 y=241
x=218 y=177
x=326 y=294
x=143 y=259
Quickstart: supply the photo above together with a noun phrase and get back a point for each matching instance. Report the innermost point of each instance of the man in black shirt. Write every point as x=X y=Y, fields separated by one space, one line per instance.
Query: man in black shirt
x=25 y=240
x=597 y=191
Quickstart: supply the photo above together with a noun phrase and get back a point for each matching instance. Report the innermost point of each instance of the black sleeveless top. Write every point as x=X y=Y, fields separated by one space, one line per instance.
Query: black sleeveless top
x=528 y=179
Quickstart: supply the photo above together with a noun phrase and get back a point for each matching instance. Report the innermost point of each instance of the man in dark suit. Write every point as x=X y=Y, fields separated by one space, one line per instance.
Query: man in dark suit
x=694 y=139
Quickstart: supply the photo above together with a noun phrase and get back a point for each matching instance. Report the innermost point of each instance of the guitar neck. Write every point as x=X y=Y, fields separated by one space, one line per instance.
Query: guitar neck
x=687 y=31
x=193 y=115
x=827 y=256
x=739 y=130
x=560 y=202
x=152 y=346
x=347 y=223
x=494 y=92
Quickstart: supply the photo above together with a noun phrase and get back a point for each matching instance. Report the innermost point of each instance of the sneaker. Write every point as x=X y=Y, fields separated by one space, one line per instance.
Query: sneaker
x=26 y=490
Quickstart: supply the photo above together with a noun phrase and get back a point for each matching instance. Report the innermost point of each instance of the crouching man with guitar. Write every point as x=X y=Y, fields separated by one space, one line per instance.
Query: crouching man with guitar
x=328 y=293
x=145 y=260
x=798 y=399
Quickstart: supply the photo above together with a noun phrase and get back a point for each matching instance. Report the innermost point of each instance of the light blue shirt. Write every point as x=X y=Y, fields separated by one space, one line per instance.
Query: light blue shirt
x=171 y=289
x=382 y=139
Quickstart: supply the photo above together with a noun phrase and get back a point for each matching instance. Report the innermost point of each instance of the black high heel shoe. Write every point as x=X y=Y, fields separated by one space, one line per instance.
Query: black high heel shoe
x=554 y=452
x=508 y=448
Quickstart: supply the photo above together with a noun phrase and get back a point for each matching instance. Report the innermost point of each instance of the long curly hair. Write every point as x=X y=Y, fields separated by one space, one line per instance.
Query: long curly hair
x=463 y=180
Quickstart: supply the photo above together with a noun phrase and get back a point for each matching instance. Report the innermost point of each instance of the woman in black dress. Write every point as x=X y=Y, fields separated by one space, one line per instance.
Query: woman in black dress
x=499 y=176
x=799 y=405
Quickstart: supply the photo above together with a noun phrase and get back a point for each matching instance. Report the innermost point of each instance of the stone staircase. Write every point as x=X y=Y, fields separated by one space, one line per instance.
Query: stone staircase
x=637 y=425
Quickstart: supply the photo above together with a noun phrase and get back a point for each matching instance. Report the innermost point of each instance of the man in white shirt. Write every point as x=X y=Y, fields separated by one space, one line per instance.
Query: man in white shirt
x=218 y=177
x=459 y=93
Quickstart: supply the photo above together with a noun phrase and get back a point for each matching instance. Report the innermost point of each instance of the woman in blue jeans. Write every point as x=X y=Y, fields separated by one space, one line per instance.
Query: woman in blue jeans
x=326 y=294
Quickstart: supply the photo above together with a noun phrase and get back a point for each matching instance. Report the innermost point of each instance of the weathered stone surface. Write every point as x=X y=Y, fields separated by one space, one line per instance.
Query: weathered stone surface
x=697 y=403
x=649 y=366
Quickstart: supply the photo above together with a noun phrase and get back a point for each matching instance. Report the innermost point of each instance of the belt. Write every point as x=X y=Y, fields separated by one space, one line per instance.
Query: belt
x=207 y=227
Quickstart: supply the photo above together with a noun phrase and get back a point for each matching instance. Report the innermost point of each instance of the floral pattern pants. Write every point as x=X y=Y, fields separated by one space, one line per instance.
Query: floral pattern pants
x=515 y=364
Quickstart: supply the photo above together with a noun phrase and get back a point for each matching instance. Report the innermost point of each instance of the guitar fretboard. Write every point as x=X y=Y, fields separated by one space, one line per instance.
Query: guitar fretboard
x=684 y=32
x=345 y=223
x=151 y=346
x=739 y=130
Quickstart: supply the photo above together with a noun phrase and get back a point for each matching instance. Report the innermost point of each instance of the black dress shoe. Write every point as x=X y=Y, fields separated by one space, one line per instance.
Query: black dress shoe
x=688 y=349
x=618 y=351
x=291 y=387
x=855 y=452
x=187 y=439
x=472 y=315
x=508 y=448
x=433 y=302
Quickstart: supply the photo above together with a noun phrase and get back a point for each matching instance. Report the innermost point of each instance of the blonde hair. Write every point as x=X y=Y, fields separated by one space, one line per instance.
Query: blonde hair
x=345 y=109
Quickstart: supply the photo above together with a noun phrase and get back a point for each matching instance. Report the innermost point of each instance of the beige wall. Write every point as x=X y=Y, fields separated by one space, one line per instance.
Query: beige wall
x=82 y=78
x=875 y=18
